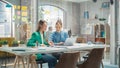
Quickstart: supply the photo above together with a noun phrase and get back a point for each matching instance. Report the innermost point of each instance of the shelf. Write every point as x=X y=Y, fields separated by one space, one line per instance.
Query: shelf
x=100 y=40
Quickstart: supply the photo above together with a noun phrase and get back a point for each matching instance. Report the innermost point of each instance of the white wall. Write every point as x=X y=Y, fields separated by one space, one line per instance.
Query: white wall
x=119 y=24
x=14 y=2
x=75 y=18
x=93 y=9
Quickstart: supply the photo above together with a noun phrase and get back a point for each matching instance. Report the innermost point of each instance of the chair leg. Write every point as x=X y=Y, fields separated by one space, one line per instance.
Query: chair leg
x=40 y=65
x=31 y=65
x=102 y=64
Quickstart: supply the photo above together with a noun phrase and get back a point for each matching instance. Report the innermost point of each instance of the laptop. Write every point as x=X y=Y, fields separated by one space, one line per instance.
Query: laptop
x=68 y=42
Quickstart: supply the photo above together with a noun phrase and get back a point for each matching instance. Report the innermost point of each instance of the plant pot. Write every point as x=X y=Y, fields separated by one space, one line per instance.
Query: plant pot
x=22 y=45
x=14 y=45
x=5 y=45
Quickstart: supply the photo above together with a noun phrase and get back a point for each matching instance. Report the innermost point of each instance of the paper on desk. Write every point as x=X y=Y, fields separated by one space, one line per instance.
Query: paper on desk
x=71 y=47
x=42 y=48
x=60 y=46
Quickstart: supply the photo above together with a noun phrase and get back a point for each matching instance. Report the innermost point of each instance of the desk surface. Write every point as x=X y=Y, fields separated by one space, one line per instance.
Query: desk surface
x=28 y=51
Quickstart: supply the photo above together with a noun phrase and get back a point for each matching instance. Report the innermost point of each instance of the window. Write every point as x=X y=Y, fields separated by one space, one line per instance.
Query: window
x=51 y=14
x=5 y=20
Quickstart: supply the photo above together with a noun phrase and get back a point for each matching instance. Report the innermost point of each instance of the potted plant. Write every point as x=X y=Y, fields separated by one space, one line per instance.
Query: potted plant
x=4 y=43
x=102 y=19
x=1 y=43
x=15 y=43
x=22 y=43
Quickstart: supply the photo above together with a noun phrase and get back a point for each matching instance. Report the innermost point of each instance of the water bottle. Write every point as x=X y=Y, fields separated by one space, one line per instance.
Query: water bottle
x=36 y=44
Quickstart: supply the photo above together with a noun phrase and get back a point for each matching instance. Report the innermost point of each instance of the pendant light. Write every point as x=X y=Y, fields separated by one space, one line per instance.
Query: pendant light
x=111 y=1
x=8 y=6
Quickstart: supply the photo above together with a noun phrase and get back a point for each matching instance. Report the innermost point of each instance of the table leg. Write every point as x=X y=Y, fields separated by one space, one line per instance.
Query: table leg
x=18 y=61
x=28 y=61
x=15 y=61
x=5 y=59
x=23 y=62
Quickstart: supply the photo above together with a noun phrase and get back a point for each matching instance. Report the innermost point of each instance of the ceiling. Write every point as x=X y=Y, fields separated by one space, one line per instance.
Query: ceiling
x=77 y=1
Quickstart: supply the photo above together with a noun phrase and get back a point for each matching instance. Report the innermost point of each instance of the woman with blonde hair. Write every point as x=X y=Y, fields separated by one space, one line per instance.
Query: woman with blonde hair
x=58 y=37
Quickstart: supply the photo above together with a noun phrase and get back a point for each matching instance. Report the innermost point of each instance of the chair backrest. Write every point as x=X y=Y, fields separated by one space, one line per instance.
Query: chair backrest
x=68 y=60
x=80 y=40
x=94 y=59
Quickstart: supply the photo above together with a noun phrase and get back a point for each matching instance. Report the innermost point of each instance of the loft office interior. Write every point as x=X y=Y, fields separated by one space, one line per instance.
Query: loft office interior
x=89 y=20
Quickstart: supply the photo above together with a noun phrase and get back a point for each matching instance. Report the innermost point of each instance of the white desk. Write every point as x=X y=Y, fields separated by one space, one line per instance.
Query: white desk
x=28 y=51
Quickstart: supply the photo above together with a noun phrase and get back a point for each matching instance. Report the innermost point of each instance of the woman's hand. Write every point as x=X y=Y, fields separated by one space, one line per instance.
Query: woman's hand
x=61 y=43
x=51 y=43
x=42 y=45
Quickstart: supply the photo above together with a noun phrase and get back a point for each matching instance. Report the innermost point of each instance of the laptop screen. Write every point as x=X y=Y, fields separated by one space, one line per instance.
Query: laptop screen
x=69 y=41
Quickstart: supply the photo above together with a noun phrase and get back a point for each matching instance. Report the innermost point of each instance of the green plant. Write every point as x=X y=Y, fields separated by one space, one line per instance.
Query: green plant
x=102 y=19
x=5 y=42
x=15 y=42
x=22 y=42
x=1 y=42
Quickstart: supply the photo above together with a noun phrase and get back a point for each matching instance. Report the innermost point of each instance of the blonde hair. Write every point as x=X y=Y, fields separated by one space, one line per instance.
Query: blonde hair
x=59 y=22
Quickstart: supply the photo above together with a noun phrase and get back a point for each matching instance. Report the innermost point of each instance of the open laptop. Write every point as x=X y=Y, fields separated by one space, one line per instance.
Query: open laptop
x=68 y=42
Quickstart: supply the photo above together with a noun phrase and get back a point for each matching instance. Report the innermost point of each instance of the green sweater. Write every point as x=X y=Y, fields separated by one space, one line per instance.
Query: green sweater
x=36 y=36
